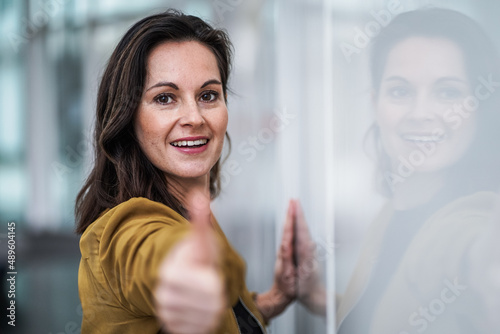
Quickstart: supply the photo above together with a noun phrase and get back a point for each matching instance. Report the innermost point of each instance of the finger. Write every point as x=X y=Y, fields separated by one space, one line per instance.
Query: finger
x=305 y=247
x=302 y=228
x=286 y=248
x=286 y=257
x=288 y=227
x=204 y=248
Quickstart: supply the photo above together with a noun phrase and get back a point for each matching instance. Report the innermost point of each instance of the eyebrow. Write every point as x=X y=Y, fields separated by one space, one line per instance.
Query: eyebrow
x=395 y=78
x=174 y=86
x=440 y=80
x=456 y=79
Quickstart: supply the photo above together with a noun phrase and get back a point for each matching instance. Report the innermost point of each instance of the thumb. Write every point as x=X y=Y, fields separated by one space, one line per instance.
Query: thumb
x=204 y=247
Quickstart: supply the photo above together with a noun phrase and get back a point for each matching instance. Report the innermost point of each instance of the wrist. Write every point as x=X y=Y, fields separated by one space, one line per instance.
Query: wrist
x=279 y=297
x=315 y=300
x=272 y=303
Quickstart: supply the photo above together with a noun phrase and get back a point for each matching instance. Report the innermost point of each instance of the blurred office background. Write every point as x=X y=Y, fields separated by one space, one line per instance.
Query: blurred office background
x=288 y=64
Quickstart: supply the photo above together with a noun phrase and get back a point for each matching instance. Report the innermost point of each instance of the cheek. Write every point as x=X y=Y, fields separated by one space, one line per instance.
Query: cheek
x=219 y=121
x=148 y=132
x=387 y=117
x=139 y=130
x=224 y=123
x=142 y=131
x=464 y=135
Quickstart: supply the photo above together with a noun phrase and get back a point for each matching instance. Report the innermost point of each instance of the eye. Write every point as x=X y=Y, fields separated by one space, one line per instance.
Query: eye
x=163 y=99
x=450 y=93
x=399 y=92
x=209 y=96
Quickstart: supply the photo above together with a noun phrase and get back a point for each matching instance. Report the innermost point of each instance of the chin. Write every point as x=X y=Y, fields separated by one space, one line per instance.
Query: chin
x=192 y=173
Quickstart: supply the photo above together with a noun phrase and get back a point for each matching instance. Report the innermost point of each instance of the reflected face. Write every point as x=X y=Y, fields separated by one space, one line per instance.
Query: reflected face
x=424 y=89
x=182 y=117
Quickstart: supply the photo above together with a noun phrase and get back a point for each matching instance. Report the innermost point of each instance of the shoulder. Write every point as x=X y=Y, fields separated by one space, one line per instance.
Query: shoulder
x=446 y=237
x=136 y=216
x=477 y=204
x=469 y=212
x=141 y=207
x=461 y=220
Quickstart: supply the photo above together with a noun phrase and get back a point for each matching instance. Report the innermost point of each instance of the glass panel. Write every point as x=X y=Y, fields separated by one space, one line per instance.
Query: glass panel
x=417 y=184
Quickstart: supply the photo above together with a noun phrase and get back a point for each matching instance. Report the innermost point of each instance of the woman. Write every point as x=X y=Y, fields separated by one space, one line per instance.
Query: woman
x=434 y=78
x=153 y=257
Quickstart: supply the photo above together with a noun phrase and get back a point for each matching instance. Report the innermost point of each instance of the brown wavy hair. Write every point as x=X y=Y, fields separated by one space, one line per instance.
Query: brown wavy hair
x=121 y=170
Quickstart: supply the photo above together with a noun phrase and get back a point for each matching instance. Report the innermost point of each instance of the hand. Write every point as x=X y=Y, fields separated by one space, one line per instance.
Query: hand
x=190 y=294
x=311 y=291
x=285 y=274
x=284 y=288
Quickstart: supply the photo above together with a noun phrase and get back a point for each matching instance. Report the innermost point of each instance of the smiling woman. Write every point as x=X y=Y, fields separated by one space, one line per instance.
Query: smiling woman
x=440 y=176
x=153 y=256
x=413 y=100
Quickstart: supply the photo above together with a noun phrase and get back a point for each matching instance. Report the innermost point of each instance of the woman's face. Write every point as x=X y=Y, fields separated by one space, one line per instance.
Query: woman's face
x=182 y=117
x=423 y=91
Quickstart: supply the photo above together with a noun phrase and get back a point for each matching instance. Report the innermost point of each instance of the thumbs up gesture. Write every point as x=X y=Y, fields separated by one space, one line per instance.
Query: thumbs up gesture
x=190 y=296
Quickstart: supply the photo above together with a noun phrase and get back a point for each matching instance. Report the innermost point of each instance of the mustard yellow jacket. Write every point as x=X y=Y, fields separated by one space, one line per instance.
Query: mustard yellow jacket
x=121 y=253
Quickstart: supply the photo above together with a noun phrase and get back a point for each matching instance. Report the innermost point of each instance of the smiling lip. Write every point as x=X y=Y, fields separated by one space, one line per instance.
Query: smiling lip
x=422 y=137
x=191 y=145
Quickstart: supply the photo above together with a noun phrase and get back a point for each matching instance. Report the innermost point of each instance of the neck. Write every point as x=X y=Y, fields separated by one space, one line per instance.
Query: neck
x=416 y=190
x=185 y=188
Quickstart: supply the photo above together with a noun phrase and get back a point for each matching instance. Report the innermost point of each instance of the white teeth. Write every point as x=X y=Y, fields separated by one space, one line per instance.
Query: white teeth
x=424 y=138
x=190 y=142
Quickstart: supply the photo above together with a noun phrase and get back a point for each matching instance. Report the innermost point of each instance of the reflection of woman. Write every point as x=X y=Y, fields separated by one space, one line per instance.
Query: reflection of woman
x=160 y=127
x=434 y=76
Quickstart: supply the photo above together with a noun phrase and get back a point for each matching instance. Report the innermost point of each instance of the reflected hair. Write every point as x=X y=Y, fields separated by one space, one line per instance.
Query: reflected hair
x=481 y=61
x=121 y=170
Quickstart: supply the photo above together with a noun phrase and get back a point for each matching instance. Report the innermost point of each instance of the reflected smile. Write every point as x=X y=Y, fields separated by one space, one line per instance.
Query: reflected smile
x=424 y=138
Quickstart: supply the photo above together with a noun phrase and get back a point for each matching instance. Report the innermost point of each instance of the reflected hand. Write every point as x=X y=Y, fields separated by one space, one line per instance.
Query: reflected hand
x=284 y=288
x=190 y=295
x=311 y=291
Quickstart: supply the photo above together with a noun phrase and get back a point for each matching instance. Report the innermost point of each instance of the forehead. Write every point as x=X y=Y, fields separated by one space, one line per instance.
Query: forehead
x=425 y=57
x=181 y=61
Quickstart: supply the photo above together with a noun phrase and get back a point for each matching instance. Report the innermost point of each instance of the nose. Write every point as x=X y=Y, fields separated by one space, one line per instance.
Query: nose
x=191 y=115
x=422 y=108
